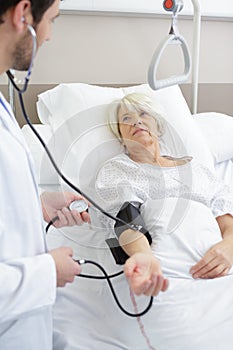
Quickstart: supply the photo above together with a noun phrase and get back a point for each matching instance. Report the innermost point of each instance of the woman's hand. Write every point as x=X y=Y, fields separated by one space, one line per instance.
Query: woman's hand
x=219 y=259
x=144 y=274
x=216 y=262
x=56 y=204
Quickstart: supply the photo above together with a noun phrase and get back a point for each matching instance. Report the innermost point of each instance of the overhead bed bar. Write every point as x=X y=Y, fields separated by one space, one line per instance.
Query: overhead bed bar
x=175 y=6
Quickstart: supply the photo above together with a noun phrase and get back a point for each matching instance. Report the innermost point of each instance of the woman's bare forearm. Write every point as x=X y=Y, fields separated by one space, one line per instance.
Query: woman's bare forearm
x=134 y=242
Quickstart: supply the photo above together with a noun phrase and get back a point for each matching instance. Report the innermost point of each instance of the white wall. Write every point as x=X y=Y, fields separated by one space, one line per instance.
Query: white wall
x=207 y=7
x=105 y=49
x=118 y=49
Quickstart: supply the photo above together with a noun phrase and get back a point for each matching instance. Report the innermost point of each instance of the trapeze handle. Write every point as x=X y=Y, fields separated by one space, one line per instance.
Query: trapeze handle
x=173 y=80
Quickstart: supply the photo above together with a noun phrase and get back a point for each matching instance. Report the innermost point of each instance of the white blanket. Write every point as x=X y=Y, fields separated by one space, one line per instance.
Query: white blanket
x=192 y=314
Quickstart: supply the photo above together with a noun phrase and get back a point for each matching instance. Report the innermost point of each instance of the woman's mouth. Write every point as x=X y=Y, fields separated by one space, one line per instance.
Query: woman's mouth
x=139 y=130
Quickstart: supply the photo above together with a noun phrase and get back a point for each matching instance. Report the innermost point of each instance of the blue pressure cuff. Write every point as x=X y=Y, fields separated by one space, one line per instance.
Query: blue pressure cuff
x=129 y=213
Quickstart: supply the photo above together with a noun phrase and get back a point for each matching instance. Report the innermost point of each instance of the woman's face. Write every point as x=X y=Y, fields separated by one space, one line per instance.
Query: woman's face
x=136 y=126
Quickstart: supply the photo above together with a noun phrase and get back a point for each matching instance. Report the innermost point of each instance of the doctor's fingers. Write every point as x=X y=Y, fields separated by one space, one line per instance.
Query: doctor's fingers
x=85 y=217
x=69 y=218
x=76 y=218
x=66 y=267
x=68 y=272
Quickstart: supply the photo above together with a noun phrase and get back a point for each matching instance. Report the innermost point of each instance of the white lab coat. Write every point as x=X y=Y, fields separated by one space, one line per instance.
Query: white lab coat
x=27 y=273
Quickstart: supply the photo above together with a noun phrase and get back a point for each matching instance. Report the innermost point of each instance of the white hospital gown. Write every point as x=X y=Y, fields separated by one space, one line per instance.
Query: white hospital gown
x=121 y=179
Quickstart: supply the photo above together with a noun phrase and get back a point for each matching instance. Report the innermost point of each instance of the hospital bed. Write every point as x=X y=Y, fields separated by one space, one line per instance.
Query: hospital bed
x=85 y=315
x=192 y=314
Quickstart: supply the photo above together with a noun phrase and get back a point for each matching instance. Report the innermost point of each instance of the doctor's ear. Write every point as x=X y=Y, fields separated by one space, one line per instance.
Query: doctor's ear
x=21 y=13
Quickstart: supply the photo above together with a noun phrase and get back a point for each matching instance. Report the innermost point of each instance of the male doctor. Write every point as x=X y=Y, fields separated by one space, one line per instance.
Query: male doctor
x=29 y=274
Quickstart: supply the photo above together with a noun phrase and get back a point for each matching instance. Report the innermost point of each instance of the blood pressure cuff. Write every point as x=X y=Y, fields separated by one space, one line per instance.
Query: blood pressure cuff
x=129 y=213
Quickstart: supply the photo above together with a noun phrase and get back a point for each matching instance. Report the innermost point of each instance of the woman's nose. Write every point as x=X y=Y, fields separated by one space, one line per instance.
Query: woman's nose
x=136 y=122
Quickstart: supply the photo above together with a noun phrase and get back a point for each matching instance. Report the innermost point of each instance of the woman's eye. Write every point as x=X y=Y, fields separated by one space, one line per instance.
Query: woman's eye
x=143 y=114
x=126 y=119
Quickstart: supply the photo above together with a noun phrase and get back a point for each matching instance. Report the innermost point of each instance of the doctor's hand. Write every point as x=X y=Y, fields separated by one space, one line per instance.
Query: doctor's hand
x=144 y=274
x=57 y=203
x=66 y=267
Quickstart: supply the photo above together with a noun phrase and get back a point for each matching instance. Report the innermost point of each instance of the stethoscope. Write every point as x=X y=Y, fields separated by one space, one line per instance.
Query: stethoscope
x=29 y=71
x=21 y=91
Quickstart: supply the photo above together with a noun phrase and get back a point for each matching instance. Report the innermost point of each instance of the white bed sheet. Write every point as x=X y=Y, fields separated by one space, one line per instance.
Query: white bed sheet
x=192 y=314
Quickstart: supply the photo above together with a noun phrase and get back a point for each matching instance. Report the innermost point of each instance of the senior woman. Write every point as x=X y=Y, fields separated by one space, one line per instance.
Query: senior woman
x=176 y=186
x=177 y=201
x=187 y=237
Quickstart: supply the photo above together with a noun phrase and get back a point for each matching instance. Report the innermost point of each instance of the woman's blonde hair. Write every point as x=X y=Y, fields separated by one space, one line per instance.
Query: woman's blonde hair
x=135 y=102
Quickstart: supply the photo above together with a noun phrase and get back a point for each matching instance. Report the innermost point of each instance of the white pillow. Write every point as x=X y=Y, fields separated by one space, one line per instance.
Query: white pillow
x=65 y=100
x=82 y=141
x=217 y=129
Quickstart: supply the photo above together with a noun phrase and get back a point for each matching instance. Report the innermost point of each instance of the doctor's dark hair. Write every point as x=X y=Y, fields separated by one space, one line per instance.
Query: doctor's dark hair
x=38 y=8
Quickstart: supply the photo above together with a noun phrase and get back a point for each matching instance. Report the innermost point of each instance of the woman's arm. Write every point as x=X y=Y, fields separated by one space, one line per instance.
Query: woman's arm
x=142 y=269
x=219 y=259
x=115 y=186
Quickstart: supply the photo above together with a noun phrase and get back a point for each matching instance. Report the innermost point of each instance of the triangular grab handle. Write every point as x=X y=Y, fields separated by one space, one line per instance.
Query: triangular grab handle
x=173 y=80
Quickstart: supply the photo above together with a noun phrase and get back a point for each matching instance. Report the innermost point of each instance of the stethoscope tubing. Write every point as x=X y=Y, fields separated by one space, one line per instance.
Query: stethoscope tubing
x=70 y=184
